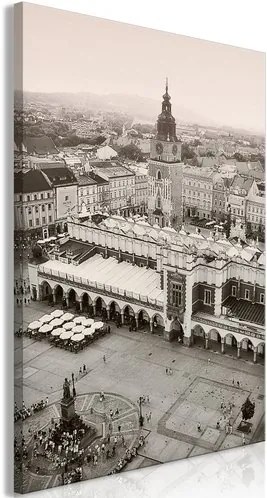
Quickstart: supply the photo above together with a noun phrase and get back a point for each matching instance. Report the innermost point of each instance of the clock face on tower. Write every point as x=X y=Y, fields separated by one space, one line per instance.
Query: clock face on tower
x=174 y=150
x=159 y=148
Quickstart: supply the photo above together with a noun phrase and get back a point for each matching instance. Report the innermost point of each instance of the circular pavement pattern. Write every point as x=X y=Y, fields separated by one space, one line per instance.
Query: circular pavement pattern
x=92 y=411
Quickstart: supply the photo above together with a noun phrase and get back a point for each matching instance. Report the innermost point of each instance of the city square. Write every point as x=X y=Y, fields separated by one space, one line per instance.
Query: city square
x=135 y=366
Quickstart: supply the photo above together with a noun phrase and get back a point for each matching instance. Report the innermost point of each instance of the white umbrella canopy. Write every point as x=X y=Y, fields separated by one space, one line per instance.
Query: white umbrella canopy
x=98 y=325
x=45 y=318
x=57 y=332
x=78 y=320
x=88 y=331
x=66 y=335
x=56 y=322
x=88 y=322
x=68 y=325
x=34 y=325
x=78 y=329
x=57 y=313
x=67 y=317
x=77 y=337
x=46 y=328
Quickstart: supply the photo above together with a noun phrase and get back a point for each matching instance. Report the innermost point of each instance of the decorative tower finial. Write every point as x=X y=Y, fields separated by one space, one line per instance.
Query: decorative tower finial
x=167 y=86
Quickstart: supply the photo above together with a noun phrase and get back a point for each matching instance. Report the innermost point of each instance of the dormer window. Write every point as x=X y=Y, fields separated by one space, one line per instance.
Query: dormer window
x=247 y=294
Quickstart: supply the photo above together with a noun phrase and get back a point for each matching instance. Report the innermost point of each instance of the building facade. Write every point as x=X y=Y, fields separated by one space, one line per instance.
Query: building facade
x=121 y=182
x=165 y=171
x=33 y=201
x=198 y=192
x=198 y=291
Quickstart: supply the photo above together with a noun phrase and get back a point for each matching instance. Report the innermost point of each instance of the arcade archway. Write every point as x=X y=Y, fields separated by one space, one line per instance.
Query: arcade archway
x=198 y=336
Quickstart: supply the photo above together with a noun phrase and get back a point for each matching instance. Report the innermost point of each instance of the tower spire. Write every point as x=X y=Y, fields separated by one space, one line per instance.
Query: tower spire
x=167 y=86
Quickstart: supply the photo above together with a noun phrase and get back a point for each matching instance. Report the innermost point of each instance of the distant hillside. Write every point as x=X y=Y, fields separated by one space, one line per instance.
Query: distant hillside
x=142 y=108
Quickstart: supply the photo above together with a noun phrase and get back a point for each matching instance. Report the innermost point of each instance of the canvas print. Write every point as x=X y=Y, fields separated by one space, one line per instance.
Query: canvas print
x=139 y=247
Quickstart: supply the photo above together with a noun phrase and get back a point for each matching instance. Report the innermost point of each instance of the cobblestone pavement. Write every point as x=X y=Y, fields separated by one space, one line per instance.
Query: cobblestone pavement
x=49 y=475
x=135 y=365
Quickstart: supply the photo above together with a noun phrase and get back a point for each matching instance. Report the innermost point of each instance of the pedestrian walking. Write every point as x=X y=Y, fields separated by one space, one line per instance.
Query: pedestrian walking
x=167 y=370
x=238 y=383
x=198 y=427
x=233 y=382
x=218 y=425
x=119 y=428
x=208 y=361
x=84 y=368
x=230 y=429
x=104 y=358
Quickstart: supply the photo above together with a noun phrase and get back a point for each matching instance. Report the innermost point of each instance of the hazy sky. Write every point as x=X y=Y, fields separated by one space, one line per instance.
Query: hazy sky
x=66 y=52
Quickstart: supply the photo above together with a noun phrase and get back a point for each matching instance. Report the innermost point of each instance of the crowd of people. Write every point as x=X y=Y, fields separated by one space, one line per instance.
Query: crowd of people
x=130 y=453
x=25 y=412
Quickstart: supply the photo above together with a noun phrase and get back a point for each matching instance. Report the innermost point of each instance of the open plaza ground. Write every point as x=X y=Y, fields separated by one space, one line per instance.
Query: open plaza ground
x=135 y=366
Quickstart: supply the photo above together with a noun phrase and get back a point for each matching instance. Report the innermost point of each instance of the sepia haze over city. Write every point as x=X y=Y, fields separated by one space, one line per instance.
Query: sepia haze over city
x=122 y=67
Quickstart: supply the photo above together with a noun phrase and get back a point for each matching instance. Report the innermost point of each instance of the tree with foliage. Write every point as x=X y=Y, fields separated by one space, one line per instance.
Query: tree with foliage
x=239 y=157
x=131 y=152
x=247 y=409
x=37 y=252
x=187 y=153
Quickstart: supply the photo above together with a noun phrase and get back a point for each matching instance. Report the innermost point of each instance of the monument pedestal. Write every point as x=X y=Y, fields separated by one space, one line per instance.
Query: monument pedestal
x=67 y=409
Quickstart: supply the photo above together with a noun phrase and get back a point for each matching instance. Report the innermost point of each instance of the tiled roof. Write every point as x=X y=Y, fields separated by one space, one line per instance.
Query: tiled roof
x=242 y=182
x=29 y=182
x=245 y=310
x=85 y=180
x=98 y=179
x=60 y=176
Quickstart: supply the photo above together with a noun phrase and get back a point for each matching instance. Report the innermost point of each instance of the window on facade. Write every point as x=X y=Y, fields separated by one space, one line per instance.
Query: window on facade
x=48 y=195
x=49 y=206
x=36 y=209
x=176 y=295
x=28 y=198
x=207 y=296
x=262 y=298
x=35 y=197
x=42 y=196
x=43 y=220
x=234 y=290
x=246 y=294
x=29 y=210
x=43 y=207
x=20 y=197
x=30 y=223
x=37 y=221
x=50 y=219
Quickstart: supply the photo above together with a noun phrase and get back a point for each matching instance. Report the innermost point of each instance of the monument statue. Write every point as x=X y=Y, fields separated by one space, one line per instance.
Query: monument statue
x=66 y=389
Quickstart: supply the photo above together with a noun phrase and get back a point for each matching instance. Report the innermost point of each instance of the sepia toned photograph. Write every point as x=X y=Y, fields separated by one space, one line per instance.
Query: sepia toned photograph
x=139 y=247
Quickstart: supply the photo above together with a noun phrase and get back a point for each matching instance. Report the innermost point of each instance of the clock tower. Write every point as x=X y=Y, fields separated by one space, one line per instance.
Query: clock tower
x=165 y=170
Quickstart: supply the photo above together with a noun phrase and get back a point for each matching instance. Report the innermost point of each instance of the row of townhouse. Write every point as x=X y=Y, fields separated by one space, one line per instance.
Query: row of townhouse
x=45 y=196
x=208 y=194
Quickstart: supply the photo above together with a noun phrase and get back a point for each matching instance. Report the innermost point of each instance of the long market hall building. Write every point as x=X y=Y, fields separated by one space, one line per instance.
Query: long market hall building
x=200 y=291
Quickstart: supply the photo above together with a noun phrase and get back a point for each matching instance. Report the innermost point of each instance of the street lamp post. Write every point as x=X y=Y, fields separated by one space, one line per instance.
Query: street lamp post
x=73 y=387
x=141 y=418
